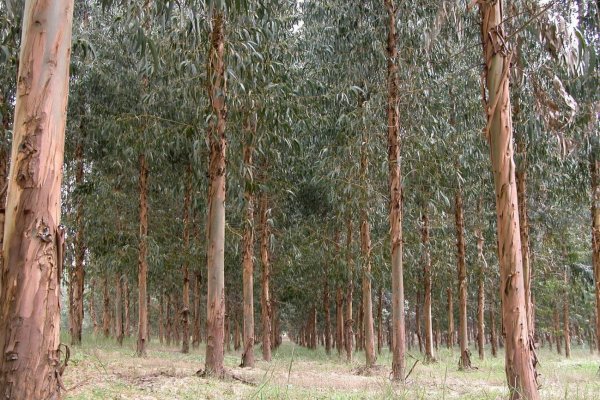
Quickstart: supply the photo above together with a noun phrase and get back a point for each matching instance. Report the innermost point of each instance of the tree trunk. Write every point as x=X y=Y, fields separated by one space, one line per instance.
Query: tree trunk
x=566 y=327
x=236 y=336
x=185 y=312
x=326 y=309
x=32 y=239
x=349 y=340
x=463 y=341
x=520 y=359
x=161 y=319
x=215 y=314
x=142 y=338
x=595 y=174
x=521 y=177
x=119 y=309
x=493 y=335
x=168 y=321
x=339 y=314
x=380 y=321
x=429 y=353
x=248 y=245
x=197 y=293
x=78 y=273
x=92 y=306
x=481 y=293
x=450 y=338
x=398 y=340
x=557 y=335
x=106 y=309
x=127 y=307
x=266 y=276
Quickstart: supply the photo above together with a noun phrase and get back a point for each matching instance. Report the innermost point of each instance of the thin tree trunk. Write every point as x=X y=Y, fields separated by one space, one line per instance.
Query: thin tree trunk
x=380 y=321
x=520 y=359
x=32 y=239
x=236 y=336
x=78 y=273
x=521 y=177
x=418 y=320
x=326 y=309
x=465 y=359
x=349 y=340
x=566 y=326
x=185 y=312
x=248 y=246
x=127 y=307
x=493 y=335
x=215 y=314
x=161 y=319
x=398 y=340
x=595 y=211
x=557 y=335
x=197 y=293
x=106 y=309
x=450 y=338
x=168 y=321
x=92 y=306
x=142 y=338
x=339 y=314
x=429 y=352
x=481 y=293
x=266 y=276
x=119 y=309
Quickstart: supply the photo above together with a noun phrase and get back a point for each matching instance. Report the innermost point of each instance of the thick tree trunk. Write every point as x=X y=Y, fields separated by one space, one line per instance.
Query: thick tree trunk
x=78 y=273
x=450 y=338
x=566 y=326
x=463 y=341
x=118 y=309
x=520 y=359
x=197 y=336
x=215 y=314
x=348 y=323
x=595 y=209
x=126 y=292
x=395 y=182
x=185 y=312
x=248 y=246
x=142 y=338
x=106 y=309
x=429 y=352
x=266 y=276
x=32 y=239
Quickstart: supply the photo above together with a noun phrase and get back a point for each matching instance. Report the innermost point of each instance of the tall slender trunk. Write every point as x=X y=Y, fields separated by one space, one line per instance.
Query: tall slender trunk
x=365 y=240
x=481 y=292
x=236 y=336
x=349 y=339
x=78 y=274
x=418 y=320
x=266 y=276
x=493 y=335
x=161 y=319
x=119 y=309
x=168 y=321
x=566 y=326
x=520 y=359
x=595 y=211
x=521 y=177
x=557 y=335
x=248 y=245
x=92 y=306
x=215 y=315
x=463 y=341
x=127 y=316
x=142 y=338
x=106 y=309
x=32 y=239
x=380 y=321
x=197 y=337
x=395 y=182
x=339 y=314
x=185 y=312
x=429 y=353
x=326 y=308
x=450 y=338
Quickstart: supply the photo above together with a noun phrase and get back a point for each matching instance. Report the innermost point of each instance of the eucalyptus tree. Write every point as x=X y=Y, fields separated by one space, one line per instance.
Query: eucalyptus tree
x=520 y=359
x=30 y=317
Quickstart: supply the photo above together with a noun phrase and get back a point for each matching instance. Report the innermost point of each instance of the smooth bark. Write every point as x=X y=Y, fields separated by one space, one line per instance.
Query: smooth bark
x=463 y=340
x=266 y=278
x=142 y=338
x=185 y=312
x=78 y=273
x=429 y=352
x=349 y=322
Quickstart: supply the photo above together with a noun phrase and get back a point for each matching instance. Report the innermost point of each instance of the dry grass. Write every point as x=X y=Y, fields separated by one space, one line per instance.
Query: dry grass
x=102 y=370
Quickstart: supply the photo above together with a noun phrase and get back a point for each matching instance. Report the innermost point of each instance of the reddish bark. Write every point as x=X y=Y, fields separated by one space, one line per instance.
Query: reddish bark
x=118 y=309
x=78 y=273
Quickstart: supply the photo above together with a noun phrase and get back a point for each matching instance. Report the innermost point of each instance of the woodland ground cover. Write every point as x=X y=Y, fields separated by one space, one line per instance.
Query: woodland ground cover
x=100 y=369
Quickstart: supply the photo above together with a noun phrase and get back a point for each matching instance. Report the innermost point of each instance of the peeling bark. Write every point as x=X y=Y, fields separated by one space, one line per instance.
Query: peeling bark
x=32 y=240
x=395 y=182
x=215 y=315
x=520 y=358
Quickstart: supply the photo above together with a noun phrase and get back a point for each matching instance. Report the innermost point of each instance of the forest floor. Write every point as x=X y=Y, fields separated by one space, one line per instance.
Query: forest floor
x=100 y=369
